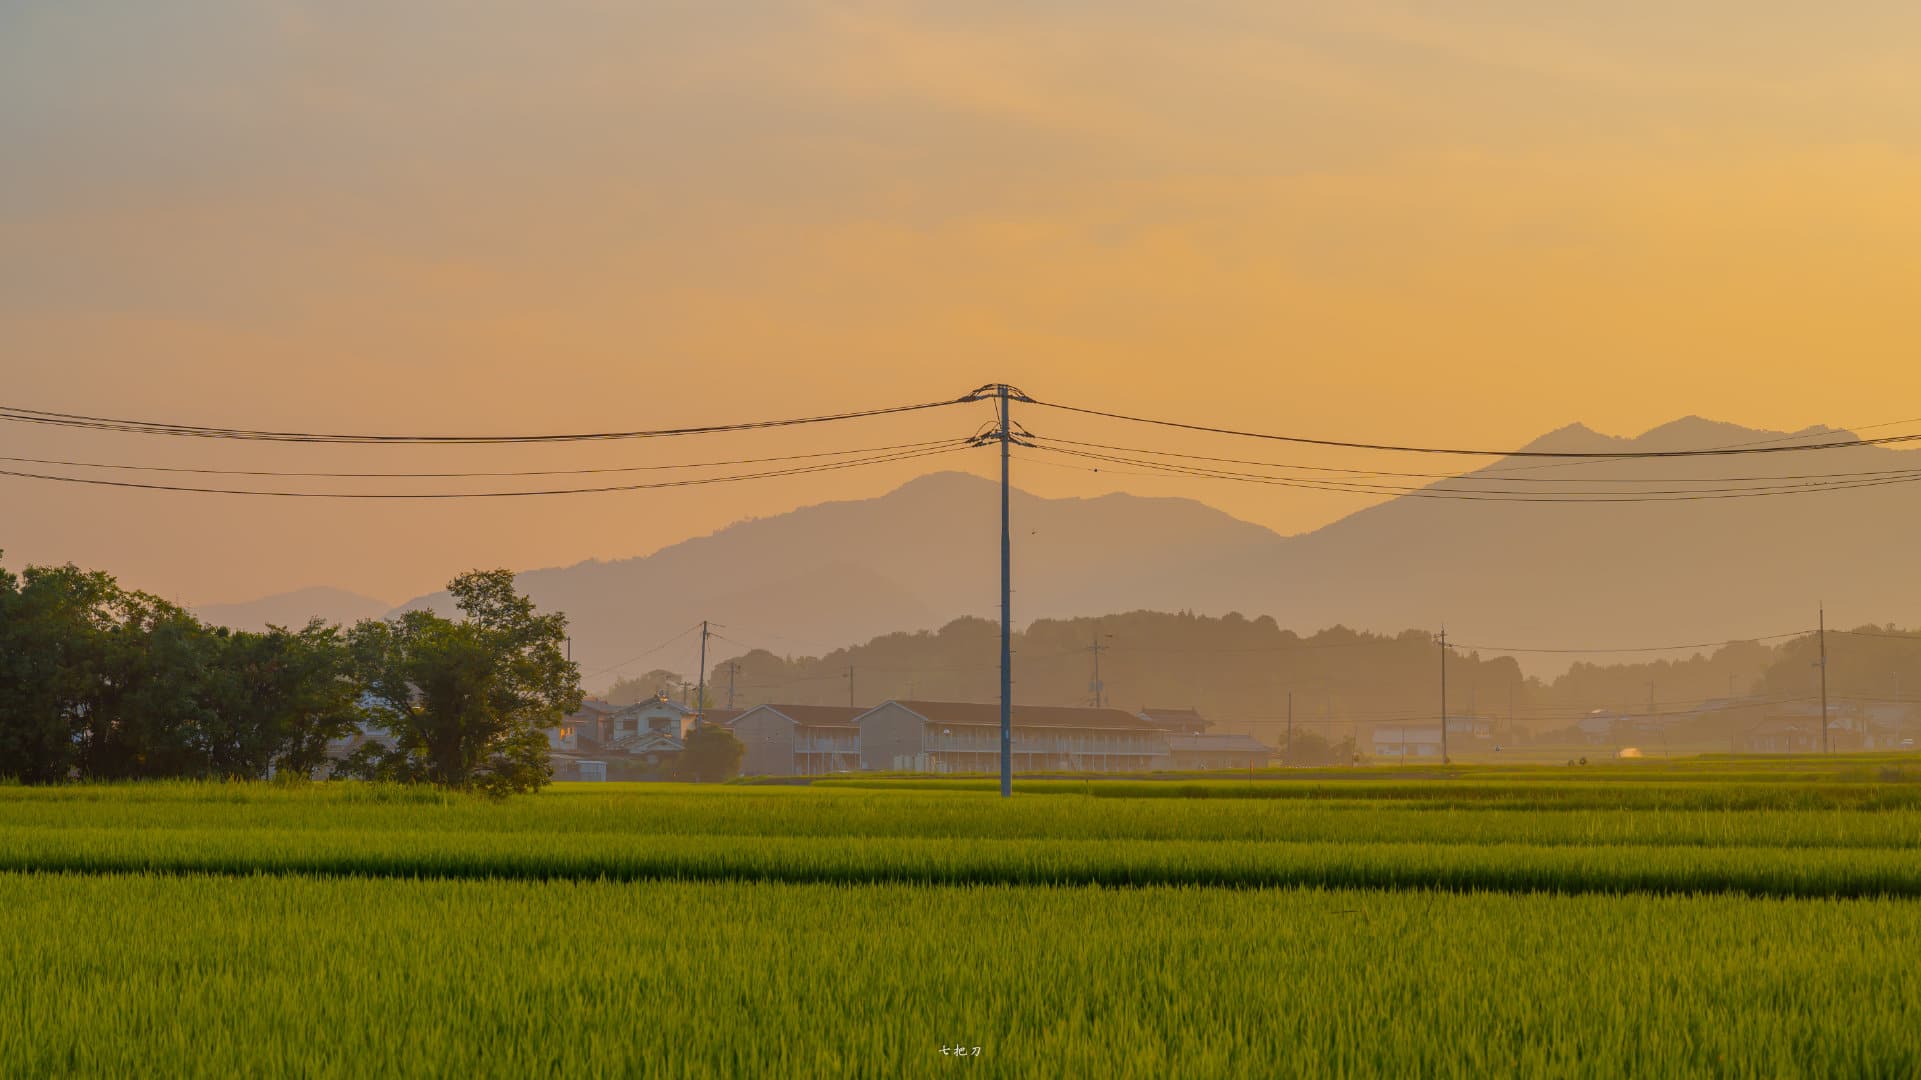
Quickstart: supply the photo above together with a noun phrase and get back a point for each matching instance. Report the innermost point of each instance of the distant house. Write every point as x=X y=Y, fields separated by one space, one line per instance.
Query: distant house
x=1407 y=742
x=798 y=740
x=951 y=736
x=593 y=723
x=658 y=716
x=1479 y=728
x=1781 y=735
x=1182 y=721
x=1216 y=752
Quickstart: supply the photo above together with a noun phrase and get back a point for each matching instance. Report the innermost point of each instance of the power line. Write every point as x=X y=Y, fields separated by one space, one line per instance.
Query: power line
x=1640 y=649
x=462 y=475
x=692 y=482
x=643 y=656
x=1467 y=452
x=22 y=415
x=1485 y=495
x=1475 y=477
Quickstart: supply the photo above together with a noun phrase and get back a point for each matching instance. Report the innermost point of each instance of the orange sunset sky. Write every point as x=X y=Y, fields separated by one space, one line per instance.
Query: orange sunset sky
x=1462 y=224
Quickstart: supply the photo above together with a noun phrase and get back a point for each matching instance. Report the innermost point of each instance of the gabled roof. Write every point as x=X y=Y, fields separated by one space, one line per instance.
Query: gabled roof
x=979 y=714
x=654 y=703
x=645 y=741
x=1186 y=718
x=1237 y=742
x=816 y=716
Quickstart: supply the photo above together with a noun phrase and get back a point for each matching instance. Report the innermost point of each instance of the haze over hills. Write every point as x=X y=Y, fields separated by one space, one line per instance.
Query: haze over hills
x=1531 y=574
x=293 y=609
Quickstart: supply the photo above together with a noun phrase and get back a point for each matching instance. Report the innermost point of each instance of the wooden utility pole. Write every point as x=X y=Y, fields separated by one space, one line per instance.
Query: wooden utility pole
x=1289 y=754
x=700 y=694
x=1443 y=699
x=1823 y=663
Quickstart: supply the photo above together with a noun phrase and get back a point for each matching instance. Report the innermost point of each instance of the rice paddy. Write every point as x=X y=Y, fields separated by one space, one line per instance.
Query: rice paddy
x=1674 y=920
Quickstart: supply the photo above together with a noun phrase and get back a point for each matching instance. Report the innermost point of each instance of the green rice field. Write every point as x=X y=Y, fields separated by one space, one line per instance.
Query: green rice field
x=1715 y=917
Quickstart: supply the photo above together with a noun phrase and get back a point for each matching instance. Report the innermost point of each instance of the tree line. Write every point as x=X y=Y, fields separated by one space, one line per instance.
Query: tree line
x=100 y=682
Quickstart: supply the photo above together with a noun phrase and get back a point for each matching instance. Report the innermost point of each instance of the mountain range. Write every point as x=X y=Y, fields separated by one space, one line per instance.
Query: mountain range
x=1534 y=574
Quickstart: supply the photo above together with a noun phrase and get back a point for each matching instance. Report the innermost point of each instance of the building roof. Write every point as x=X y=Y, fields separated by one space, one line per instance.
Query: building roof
x=978 y=714
x=597 y=706
x=817 y=716
x=1186 y=718
x=656 y=703
x=1194 y=743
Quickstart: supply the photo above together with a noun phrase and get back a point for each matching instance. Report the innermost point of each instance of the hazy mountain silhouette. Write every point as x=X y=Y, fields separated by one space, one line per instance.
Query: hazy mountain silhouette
x=293 y=609
x=1501 y=573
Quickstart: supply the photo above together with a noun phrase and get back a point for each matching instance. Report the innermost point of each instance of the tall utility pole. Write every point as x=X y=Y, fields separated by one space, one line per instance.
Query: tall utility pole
x=1003 y=396
x=700 y=695
x=1823 y=664
x=1443 y=697
x=1097 y=649
x=1007 y=606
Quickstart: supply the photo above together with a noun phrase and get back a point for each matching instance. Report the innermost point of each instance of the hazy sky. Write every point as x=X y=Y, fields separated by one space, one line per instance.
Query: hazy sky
x=1352 y=220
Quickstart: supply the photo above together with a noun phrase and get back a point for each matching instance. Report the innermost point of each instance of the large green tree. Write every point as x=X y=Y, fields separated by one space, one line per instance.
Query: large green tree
x=710 y=754
x=107 y=683
x=465 y=701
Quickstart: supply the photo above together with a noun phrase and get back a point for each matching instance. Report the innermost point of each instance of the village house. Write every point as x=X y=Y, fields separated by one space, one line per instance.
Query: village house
x=950 y=736
x=1223 y=751
x=1406 y=742
x=798 y=740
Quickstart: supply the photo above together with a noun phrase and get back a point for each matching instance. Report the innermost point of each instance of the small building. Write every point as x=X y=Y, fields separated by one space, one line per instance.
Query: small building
x=1407 y=742
x=649 y=721
x=953 y=737
x=1223 y=751
x=798 y=740
x=1781 y=735
x=1186 y=720
x=593 y=723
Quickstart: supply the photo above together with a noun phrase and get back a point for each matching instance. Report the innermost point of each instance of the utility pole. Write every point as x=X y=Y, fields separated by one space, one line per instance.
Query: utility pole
x=733 y=669
x=1097 y=649
x=1004 y=396
x=850 y=686
x=1443 y=699
x=1007 y=606
x=1289 y=754
x=700 y=694
x=1823 y=663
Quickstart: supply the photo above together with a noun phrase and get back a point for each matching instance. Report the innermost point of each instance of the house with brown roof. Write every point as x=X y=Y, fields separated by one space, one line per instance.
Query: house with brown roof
x=955 y=736
x=798 y=740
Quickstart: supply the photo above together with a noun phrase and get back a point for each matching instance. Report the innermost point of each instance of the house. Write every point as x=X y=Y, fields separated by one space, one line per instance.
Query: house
x=646 y=723
x=798 y=740
x=1477 y=728
x=953 y=736
x=593 y=723
x=1216 y=752
x=1778 y=734
x=1407 y=742
x=1182 y=721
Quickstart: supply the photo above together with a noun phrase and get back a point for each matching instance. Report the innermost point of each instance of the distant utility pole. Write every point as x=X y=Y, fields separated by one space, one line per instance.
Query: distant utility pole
x=1288 y=755
x=733 y=669
x=1823 y=665
x=1097 y=649
x=700 y=694
x=850 y=686
x=1443 y=699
